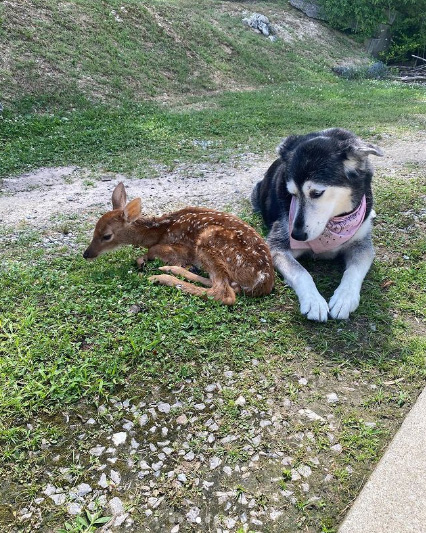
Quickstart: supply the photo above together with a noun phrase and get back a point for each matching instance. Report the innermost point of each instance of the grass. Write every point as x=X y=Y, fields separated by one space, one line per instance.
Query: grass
x=138 y=139
x=67 y=338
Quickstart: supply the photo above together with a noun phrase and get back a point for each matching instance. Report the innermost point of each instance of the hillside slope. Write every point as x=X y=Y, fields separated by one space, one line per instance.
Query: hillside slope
x=68 y=52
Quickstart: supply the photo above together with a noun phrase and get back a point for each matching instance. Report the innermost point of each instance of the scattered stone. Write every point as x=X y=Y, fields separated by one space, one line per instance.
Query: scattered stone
x=58 y=499
x=332 y=398
x=190 y=456
x=304 y=470
x=49 y=490
x=215 y=462
x=164 y=408
x=240 y=401
x=115 y=477
x=116 y=506
x=74 y=508
x=182 y=420
x=337 y=448
x=83 y=489
x=103 y=481
x=311 y=415
x=303 y=381
x=193 y=516
x=259 y=23
x=143 y=420
x=200 y=406
x=119 y=438
x=97 y=451
x=182 y=478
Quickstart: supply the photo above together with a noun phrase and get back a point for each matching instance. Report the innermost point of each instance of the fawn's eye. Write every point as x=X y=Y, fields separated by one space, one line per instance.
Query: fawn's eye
x=316 y=194
x=107 y=237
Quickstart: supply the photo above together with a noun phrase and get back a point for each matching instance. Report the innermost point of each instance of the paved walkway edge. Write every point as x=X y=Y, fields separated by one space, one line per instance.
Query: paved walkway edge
x=394 y=498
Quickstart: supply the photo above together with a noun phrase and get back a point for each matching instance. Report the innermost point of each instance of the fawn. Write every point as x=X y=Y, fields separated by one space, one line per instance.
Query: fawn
x=229 y=250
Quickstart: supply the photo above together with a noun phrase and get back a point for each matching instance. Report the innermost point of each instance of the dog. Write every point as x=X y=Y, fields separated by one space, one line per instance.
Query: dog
x=316 y=199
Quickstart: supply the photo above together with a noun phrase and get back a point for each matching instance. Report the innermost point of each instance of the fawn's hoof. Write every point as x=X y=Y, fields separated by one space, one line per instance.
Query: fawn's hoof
x=140 y=261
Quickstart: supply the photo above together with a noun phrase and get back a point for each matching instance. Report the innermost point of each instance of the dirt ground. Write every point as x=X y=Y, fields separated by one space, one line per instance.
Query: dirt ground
x=40 y=195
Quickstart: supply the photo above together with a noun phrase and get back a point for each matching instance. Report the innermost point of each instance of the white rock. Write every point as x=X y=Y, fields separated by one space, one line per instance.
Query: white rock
x=83 y=489
x=97 y=451
x=58 y=499
x=182 y=477
x=227 y=470
x=193 y=515
x=116 y=506
x=157 y=466
x=91 y=422
x=103 y=481
x=49 y=490
x=215 y=462
x=167 y=450
x=175 y=529
x=190 y=456
x=182 y=420
x=143 y=420
x=304 y=470
x=200 y=406
x=164 y=407
x=332 y=398
x=115 y=477
x=337 y=448
x=128 y=426
x=303 y=381
x=73 y=508
x=240 y=401
x=134 y=444
x=119 y=438
x=210 y=388
x=311 y=415
x=144 y=465
x=155 y=502
x=274 y=515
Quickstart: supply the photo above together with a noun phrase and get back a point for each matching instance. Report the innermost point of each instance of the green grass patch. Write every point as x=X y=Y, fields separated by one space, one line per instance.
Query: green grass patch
x=134 y=138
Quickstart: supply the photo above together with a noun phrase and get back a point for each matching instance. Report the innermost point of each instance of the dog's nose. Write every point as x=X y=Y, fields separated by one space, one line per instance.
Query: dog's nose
x=299 y=234
x=86 y=254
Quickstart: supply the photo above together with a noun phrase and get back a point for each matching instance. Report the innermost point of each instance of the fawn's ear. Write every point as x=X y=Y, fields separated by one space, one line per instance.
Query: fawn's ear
x=132 y=210
x=119 y=197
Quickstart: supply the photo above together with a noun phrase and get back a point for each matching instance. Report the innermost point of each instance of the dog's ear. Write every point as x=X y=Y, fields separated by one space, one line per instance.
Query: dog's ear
x=359 y=149
x=355 y=154
x=288 y=144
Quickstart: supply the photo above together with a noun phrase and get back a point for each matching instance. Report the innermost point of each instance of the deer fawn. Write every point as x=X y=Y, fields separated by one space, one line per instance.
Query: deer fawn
x=229 y=250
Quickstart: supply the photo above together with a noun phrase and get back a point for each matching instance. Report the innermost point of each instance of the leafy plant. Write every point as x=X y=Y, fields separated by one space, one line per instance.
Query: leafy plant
x=86 y=523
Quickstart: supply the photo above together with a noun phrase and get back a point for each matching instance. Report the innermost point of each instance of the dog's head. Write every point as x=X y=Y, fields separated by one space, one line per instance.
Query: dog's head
x=328 y=172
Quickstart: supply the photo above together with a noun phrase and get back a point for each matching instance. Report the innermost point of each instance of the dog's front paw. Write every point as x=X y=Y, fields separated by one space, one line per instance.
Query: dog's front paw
x=343 y=302
x=314 y=306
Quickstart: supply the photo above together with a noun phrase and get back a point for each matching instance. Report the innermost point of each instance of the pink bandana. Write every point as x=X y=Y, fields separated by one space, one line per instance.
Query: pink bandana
x=338 y=230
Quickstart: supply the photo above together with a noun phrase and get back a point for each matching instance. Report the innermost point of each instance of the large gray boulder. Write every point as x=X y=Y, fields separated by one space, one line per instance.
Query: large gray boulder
x=311 y=8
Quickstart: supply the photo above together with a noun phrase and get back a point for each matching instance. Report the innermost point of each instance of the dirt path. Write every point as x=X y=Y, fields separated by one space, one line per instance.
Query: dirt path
x=39 y=195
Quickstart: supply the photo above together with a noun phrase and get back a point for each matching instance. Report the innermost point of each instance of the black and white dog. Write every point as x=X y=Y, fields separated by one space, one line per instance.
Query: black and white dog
x=316 y=198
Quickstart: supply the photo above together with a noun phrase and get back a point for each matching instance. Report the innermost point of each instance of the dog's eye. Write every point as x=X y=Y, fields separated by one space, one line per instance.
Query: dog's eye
x=107 y=237
x=316 y=194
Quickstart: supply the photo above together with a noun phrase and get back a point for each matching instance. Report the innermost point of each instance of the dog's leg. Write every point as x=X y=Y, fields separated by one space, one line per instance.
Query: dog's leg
x=358 y=259
x=312 y=304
